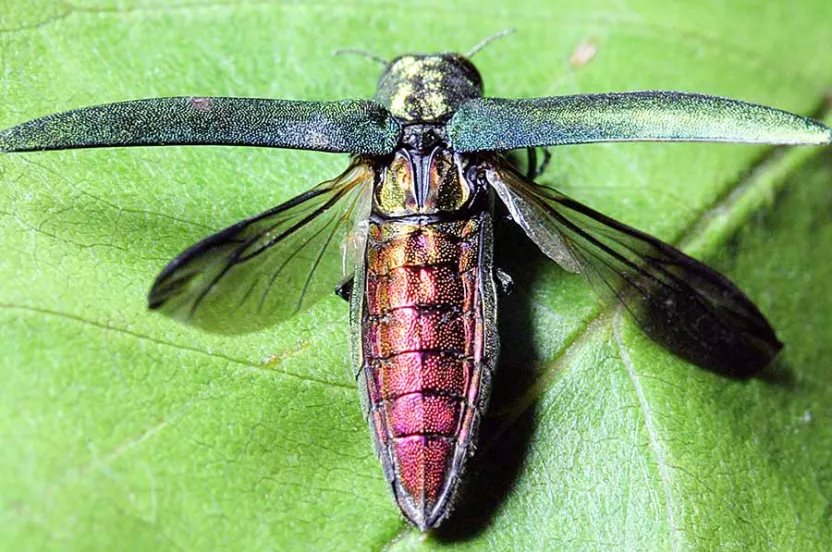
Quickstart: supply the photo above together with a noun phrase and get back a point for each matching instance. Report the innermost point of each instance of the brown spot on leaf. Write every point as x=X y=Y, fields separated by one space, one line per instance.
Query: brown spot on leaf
x=583 y=53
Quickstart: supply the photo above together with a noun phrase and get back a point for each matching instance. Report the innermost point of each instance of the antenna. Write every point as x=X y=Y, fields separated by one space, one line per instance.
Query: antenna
x=489 y=40
x=362 y=53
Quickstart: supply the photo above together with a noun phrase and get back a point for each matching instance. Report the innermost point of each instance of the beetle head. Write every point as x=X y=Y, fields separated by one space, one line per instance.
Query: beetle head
x=428 y=88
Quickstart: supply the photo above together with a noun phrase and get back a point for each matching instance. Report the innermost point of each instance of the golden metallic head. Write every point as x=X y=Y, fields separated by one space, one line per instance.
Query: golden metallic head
x=428 y=88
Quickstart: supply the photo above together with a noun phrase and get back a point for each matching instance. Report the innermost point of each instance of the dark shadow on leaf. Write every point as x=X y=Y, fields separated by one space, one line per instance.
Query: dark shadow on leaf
x=779 y=373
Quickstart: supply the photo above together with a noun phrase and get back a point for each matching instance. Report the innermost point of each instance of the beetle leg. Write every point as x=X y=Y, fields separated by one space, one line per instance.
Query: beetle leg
x=534 y=170
x=547 y=158
x=344 y=289
x=505 y=283
x=531 y=168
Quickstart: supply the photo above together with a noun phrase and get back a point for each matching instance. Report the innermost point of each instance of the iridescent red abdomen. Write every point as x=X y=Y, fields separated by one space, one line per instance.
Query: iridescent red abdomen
x=427 y=340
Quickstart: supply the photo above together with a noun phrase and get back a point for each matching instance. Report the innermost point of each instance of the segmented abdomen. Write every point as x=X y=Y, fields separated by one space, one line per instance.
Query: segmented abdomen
x=429 y=343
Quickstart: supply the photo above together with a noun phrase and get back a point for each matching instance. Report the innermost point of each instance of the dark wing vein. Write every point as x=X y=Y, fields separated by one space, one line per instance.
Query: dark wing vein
x=679 y=302
x=264 y=269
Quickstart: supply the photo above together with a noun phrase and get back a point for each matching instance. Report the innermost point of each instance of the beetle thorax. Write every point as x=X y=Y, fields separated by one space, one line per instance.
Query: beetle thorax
x=428 y=87
x=429 y=183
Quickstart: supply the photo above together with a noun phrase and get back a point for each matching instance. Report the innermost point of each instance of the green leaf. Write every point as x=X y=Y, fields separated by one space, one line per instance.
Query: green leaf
x=124 y=430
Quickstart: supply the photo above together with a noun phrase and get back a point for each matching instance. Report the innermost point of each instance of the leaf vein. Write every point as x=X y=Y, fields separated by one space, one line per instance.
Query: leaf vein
x=652 y=434
x=241 y=362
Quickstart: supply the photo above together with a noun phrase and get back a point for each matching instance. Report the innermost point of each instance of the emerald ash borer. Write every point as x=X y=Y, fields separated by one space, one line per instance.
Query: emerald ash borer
x=410 y=224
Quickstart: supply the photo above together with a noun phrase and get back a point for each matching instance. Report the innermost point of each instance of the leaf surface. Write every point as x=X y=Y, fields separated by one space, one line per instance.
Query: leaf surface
x=124 y=430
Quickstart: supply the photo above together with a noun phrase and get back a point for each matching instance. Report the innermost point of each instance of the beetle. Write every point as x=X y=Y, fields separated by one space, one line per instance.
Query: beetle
x=412 y=220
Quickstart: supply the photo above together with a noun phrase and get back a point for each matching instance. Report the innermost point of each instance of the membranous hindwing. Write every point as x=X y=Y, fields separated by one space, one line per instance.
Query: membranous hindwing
x=266 y=268
x=678 y=301
x=355 y=238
